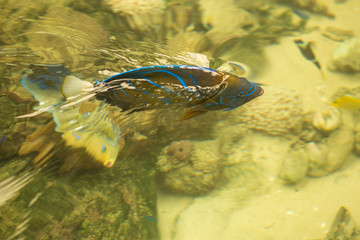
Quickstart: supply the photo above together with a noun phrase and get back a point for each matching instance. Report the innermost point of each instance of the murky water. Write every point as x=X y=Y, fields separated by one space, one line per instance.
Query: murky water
x=74 y=165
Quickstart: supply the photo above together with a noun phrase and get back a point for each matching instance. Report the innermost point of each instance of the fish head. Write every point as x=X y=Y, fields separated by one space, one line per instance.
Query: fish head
x=103 y=149
x=238 y=91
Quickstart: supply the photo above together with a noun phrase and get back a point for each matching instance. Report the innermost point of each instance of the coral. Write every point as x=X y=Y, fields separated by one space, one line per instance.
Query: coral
x=180 y=150
x=343 y=226
x=182 y=16
x=337 y=34
x=327 y=119
x=188 y=42
x=235 y=17
x=346 y=58
x=42 y=141
x=14 y=16
x=327 y=156
x=277 y=113
x=357 y=139
x=311 y=5
x=191 y=168
x=142 y=15
x=294 y=166
x=14 y=101
x=67 y=35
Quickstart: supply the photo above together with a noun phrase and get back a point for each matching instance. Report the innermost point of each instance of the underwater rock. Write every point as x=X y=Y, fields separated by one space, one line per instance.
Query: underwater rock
x=294 y=166
x=14 y=101
x=312 y=5
x=343 y=227
x=190 y=167
x=188 y=42
x=64 y=36
x=235 y=17
x=278 y=113
x=346 y=58
x=182 y=16
x=337 y=34
x=357 y=139
x=15 y=17
x=308 y=132
x=143 y=15
x=116 y=204
x=42 y=141
x=327 y=156
x=327 y=119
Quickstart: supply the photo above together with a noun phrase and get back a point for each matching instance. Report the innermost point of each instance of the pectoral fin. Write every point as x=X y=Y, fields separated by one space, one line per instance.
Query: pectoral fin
x=188 y=114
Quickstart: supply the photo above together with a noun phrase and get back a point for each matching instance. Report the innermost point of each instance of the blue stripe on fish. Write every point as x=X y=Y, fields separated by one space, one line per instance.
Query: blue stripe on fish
x=120 y=90
x=165 y=101
x=168 y=72
x=195 y=84
x=235 y=99
x=113 y=90
x=135 y=88
x=157 y=66
x=209 y=104
x=228 y=109
x=252 y=85
x=159 y=86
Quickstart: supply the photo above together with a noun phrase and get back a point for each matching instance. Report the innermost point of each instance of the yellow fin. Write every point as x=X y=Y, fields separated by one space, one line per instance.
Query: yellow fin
x=322 y=74
x=73 y=86
x=191 y=114
x=347 y=102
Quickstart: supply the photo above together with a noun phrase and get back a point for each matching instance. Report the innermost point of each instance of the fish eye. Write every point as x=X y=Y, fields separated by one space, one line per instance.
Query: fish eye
x=103 y=148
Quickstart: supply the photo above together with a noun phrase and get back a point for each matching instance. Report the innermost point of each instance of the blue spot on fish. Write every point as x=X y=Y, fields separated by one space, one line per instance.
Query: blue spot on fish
x=76 y=136
x=103 y=148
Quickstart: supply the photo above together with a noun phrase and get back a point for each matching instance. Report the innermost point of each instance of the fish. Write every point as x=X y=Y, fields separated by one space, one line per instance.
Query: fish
x=347 y=102
x=301 y=14
x=307 y=51
x=197 y=89
x=93 y=130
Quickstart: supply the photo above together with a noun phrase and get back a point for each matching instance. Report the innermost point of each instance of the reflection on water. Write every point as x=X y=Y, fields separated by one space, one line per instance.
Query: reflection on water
x=75 y=167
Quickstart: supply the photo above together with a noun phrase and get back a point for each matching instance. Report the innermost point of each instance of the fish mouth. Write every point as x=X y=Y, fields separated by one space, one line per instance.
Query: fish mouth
x=261 y=91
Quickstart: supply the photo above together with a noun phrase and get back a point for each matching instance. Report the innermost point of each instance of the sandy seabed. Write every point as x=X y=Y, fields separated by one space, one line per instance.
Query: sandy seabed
x=296 y=212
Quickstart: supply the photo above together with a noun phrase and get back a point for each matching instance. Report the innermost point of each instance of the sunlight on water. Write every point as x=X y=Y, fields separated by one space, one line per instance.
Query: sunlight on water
x=177 y=120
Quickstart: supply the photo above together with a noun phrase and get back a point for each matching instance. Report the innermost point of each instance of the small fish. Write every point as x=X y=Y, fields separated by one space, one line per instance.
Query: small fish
x=198 y=89
x=94 y=131
x=347 y=102
x=301 y=13
x=150 y=219
x=308 y=53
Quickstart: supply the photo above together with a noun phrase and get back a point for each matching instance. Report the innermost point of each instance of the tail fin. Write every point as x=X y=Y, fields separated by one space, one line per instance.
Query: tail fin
x=73 y=86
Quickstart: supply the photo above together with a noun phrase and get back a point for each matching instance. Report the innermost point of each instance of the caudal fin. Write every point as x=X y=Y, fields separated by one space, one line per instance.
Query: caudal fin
x=73 y=86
